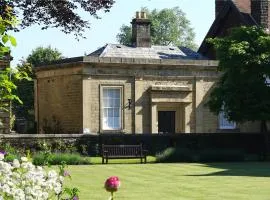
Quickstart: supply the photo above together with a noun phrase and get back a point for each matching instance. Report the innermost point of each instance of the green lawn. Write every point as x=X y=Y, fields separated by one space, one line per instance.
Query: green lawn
x=215 y=181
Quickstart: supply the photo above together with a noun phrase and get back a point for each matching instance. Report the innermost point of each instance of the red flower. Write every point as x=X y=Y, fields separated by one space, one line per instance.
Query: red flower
x=112 y=184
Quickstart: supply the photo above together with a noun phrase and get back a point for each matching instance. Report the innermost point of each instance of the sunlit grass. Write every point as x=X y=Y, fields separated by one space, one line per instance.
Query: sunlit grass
x=98 y=160
x=216 y=181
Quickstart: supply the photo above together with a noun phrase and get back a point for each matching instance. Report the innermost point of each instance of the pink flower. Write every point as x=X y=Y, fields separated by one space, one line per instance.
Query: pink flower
x=3 y=152
x=66 y=173
x=112 y=184
x=75 y=198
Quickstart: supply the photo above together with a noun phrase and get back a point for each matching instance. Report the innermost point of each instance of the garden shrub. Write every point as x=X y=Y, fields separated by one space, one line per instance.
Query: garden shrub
x=10 y=152
x=221 y=155
x=10 y=157
x=59 y=158
x=172 y=154
x=206 y=155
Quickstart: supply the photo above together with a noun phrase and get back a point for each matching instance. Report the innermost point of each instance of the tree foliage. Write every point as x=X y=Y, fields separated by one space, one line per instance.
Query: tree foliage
x=169 y=27
x=243 y=90
x=8 y=21
x=8 y=76
x=55 y=13
x=7 y=86
x=43 y=55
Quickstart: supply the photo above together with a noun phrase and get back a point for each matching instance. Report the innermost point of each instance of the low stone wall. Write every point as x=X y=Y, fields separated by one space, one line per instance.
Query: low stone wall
x=250 y=143
x=57 y=142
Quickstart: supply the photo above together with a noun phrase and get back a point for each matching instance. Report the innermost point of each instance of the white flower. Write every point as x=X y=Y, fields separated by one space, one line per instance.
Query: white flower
x=61 y=179
x=24 y=159
x=45 y=195
x=57 y=188
x=52 y=174
x=5 y=188
x=24 y=181
x=16 y=163
x=2 y=156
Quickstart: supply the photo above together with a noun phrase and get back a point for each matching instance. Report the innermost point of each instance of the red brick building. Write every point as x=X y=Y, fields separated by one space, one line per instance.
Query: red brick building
x=234 y=13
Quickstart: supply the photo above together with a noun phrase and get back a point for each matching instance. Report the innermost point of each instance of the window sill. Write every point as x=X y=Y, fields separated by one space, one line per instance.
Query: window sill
x=232 y=130
x=112 y=131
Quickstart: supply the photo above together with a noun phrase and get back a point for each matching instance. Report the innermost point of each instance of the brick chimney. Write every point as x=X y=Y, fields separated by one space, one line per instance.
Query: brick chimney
x=141 y=36
x=260 y=11
x=242 y=5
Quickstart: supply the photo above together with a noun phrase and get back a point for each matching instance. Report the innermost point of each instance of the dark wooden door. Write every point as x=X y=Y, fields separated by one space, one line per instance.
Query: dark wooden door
x=166 y=121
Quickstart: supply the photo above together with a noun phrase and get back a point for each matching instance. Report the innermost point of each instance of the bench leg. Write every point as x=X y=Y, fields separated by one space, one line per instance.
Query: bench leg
x=106 y=160
x=141 y=160
x=102 y=160
x=145 y=160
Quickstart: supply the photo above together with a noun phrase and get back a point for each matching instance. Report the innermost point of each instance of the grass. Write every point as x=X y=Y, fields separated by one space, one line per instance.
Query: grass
x=181 y=181
x=98 y=160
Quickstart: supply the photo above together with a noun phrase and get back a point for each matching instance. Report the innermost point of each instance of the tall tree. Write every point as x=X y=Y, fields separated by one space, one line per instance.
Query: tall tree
x=169 y=27
x=55 y=13
x=7 y=85
x=243 y=90
x=43 y=55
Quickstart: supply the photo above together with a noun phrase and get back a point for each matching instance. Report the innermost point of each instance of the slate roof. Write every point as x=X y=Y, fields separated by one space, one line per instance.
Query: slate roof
x=153 y=52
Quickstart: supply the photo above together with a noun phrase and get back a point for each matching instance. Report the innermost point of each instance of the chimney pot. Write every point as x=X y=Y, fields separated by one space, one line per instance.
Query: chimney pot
x=137 y=15
x=143 y=15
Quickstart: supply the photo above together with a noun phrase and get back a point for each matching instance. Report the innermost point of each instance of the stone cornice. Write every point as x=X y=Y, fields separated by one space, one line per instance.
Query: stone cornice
x=127 y=62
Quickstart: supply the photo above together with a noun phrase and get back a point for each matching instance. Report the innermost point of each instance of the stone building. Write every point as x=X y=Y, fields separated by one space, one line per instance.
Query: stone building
x=235 y=13
x=129 y=89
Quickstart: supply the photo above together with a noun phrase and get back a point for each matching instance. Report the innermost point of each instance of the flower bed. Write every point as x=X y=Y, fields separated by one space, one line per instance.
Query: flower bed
x=20 y=180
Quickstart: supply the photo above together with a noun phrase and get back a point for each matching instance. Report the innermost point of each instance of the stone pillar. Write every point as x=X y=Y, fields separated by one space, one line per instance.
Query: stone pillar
x=154 y=118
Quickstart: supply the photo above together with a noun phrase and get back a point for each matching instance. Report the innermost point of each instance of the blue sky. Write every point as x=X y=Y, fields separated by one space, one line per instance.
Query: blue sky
x=104 y=30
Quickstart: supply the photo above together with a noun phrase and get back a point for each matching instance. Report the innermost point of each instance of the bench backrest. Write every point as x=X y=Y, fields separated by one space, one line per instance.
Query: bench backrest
x=127 y=150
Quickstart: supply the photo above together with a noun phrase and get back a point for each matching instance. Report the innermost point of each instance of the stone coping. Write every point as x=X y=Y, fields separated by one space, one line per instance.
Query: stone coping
x=11 y=136
x=71 y=62
x=185 y=62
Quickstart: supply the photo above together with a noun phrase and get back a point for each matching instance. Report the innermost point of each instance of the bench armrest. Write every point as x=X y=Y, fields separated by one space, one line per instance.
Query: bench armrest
x=104 y=153
x=145 y=152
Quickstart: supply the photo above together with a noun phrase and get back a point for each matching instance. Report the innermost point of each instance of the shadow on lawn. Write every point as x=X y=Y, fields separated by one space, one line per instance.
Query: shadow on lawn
x=256 y=169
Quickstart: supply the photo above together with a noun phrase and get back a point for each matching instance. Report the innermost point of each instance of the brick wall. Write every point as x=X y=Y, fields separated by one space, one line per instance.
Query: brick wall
x=260 y=10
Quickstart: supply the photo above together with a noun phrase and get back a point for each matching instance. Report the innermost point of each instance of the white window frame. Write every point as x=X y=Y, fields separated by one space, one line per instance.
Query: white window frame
x=224 y=123
x=104 y=129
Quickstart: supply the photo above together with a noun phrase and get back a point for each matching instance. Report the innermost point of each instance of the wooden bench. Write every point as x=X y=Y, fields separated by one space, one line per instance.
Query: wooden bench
x=122 y=151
